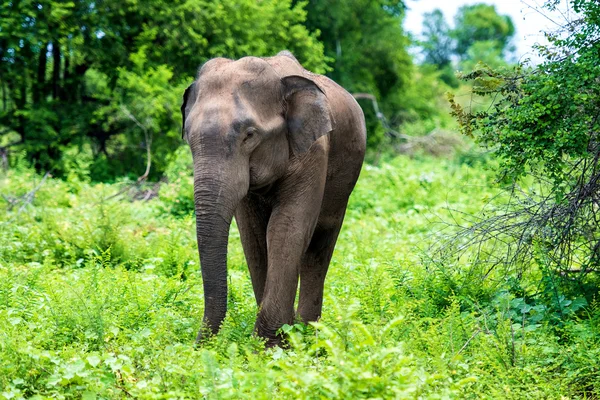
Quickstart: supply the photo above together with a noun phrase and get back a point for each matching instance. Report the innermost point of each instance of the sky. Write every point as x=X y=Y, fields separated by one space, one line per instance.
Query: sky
x=529 y=23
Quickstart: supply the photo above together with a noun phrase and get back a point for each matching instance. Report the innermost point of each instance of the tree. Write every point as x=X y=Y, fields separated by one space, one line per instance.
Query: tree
x=437 y=42
x=438 y=46
x=545 y=129
x=366 y=42
x=67 y=69
x=480 y=34
x=479 y=23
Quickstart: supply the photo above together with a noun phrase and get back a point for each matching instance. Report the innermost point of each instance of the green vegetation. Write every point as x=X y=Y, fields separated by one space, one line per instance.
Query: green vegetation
x=104 y=79
x=543 y=127
x=480 y=34
x=102 y=297
x=458 y=274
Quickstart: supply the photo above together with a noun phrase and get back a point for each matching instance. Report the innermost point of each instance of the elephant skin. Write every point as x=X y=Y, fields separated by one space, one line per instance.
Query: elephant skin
x=280 y=148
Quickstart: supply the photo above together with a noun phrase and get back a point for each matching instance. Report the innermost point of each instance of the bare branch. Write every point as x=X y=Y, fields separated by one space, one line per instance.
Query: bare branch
x=382 y=119
x=148 y=139
x=25 y=199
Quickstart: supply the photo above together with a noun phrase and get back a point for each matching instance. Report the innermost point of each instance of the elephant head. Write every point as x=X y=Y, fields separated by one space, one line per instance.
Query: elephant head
x=244 y=124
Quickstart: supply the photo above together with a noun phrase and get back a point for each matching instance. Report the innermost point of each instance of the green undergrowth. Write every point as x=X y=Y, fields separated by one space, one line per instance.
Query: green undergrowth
x=101 y=298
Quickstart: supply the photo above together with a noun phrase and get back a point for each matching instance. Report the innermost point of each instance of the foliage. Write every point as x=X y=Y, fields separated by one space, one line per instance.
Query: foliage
x=484 y=52
x=437 y=43
x=479 y=35
x=100 y=297
x=547 y=117
x=481 y=23
x=544 y=128
x=108 y=75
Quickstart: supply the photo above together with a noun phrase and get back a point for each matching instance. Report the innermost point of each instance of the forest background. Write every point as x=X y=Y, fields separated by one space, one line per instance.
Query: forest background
x=97 y=83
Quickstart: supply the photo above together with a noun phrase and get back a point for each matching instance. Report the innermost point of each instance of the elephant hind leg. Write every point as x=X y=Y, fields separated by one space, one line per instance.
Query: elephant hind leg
x=314 y=269
x=252 y=217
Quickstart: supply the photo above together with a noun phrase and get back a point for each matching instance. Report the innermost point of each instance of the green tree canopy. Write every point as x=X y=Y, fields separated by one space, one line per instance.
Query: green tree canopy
x=437 y=43
x=85 y=72
x=480 y=34
x=544 y=126
x=367 y=44
x=481 y=23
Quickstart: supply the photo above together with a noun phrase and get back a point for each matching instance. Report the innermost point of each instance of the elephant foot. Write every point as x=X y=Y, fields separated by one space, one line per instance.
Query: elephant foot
x=272 y=338
x=272 y=333
x=205 y=333
x=275 y=342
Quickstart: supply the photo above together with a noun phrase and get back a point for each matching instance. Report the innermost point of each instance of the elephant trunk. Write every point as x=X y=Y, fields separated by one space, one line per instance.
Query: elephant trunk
x=215 y=202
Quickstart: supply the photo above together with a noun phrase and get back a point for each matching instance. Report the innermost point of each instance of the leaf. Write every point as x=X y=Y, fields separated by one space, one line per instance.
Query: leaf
x=469 y=379
x=391 y=325
x=286 y=328
x=87 y=395
x=93 y=360
x=18 y=381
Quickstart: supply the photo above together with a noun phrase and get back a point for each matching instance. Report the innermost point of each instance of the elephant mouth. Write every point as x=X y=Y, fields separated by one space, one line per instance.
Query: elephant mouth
x=261 y=190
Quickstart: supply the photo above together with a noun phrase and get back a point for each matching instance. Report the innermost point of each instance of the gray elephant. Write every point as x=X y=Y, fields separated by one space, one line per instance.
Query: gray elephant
x=280 y=148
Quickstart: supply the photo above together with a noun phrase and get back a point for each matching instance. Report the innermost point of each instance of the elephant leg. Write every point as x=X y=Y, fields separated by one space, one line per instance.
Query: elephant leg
x=290 y=228
x=286 y=245
x=314 y=268
x=252 y=217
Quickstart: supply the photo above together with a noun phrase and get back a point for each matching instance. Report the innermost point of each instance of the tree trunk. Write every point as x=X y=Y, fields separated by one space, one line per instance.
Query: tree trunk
x=78 y=87
x=23 y=99
x=39 y=90
x=4 y=97
x=67 y=93
x=55 y=69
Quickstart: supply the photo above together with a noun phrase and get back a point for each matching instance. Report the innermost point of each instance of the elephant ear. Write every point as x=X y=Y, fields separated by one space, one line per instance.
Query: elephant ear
x=189 y=98
x=307 y=112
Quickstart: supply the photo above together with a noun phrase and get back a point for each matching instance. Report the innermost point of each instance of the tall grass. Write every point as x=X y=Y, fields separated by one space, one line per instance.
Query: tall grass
x=101 y=298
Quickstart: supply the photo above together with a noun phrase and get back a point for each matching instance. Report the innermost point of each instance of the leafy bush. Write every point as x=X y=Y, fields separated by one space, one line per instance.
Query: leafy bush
x=543 y=128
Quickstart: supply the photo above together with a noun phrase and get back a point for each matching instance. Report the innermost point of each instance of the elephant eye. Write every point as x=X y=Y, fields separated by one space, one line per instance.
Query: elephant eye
x=250 y=132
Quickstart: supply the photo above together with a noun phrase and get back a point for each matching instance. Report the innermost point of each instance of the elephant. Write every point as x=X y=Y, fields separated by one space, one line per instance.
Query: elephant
x=280 y=148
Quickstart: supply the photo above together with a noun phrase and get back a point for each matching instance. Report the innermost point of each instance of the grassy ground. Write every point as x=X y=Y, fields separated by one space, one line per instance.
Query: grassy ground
x=102 y=298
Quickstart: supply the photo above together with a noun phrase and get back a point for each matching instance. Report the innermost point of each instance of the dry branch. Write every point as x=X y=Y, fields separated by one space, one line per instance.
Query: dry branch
x=24 y=200
x=380 y=116
x=4 y=151
x=561 y=234
x=437 y=142
x=148 y=140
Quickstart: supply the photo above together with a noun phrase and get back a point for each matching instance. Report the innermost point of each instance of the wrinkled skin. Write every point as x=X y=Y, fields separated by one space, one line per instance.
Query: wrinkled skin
x=281 y=149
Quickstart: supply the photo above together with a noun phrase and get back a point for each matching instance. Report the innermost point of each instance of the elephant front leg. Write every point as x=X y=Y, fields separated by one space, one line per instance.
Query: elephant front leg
x=288 y=236
x=290 y=229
